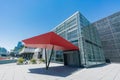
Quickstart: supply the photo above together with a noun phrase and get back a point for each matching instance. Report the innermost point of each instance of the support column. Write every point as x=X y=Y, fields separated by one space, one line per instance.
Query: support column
x=46 y=59
x=79 y=58
x=50 y=56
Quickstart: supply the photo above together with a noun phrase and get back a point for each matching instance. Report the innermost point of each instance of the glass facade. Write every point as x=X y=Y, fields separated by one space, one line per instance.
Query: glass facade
x=92 y=46
x=77 y=30
x=109 y=31
x=3 y=51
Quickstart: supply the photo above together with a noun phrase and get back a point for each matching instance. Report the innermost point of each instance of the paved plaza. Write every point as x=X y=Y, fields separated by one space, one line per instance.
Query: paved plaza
x=58 y=72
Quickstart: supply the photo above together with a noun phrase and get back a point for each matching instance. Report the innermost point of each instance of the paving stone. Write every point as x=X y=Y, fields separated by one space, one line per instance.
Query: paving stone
x=58 y=72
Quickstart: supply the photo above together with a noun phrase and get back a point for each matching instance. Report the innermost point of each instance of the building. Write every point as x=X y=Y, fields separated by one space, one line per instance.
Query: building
x=18 y=48
x=29 y=53
x=78 y=30
x=109 y=31
x=3 y=51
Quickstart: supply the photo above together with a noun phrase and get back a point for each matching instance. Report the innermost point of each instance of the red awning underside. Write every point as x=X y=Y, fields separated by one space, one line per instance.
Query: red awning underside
x=49 y=40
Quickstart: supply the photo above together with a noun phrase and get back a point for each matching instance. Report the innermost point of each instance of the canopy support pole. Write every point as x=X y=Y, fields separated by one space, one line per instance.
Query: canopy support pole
x=46 y=58
x=50 y=56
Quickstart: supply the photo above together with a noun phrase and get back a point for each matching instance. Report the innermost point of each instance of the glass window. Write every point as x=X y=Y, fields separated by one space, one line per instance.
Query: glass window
x=117 y=40
x=59 y=28
x=71 y=22
x=59 y=56
x=116 y=27
x=75 y=42
x=72 y=34
x=83 y=21
x=63 y=34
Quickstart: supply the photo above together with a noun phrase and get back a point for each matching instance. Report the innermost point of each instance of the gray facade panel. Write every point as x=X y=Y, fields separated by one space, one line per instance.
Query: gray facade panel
x=109 y=31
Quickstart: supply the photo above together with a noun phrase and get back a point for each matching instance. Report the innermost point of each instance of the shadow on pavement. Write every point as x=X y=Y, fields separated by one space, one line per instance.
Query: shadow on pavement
x=61 y=71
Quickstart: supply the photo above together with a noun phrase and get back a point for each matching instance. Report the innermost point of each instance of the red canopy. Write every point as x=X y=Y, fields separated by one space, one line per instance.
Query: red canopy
x=48 y=40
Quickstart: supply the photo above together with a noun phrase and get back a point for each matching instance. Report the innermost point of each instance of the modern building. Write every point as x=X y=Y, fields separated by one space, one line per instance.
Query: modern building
x=18 y=48
x=109 y=31
x=29 y=53
x=78 y=30
x=3 y=51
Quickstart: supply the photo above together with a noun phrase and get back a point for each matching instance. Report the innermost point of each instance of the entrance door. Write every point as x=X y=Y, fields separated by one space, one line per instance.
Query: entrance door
x=72 y=58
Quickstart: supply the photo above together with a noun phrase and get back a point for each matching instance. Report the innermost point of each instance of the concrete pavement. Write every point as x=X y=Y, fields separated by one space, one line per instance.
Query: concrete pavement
x=58 y=72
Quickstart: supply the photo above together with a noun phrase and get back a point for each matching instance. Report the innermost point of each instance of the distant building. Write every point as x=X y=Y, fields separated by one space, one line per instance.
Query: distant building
x=109 y=31
x=3 y=51
x=29 y=53
x=18 y=48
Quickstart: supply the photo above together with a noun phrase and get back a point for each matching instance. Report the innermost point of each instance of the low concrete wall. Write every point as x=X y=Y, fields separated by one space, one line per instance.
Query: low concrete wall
x=7 y=61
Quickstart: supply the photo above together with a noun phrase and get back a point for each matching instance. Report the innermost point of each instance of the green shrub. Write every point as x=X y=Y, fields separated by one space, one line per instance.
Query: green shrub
x=41 y=60
x=20 y=60
x=33 y=61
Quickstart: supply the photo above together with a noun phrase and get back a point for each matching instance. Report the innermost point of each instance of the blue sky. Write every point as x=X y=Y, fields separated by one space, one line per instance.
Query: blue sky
x=21 y=19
